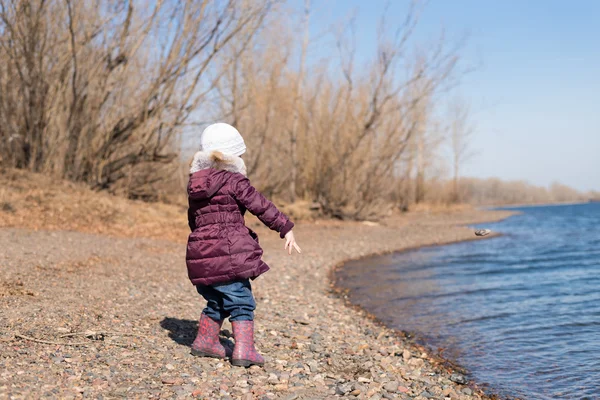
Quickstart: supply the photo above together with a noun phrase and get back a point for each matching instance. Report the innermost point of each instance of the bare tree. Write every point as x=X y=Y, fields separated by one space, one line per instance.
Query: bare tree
x=461 y=131
x=256 y=95
x=371 y=119
x=296 y=104
x=348 y=127
x=99 y=91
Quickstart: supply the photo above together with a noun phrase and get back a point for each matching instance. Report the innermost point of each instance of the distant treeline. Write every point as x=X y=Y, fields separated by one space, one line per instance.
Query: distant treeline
x=496 y=191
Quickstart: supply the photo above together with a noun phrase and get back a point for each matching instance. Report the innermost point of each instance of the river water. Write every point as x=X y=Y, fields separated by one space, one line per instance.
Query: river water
x=521 y=312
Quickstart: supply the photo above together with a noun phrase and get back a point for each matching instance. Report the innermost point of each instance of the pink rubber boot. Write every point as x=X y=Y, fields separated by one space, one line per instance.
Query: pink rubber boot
x=207 y=342
x=244 y=352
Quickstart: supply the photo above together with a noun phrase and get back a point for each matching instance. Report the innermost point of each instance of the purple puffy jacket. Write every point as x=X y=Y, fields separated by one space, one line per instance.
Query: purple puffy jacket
x=221 y=248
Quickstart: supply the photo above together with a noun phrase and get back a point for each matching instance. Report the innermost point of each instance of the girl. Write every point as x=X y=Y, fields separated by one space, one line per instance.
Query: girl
x=222 y=253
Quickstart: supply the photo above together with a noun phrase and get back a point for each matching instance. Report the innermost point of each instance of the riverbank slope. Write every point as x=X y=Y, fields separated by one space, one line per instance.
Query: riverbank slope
x=90 y=315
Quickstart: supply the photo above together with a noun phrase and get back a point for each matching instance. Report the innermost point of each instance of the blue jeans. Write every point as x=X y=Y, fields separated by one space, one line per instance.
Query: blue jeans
x=232 y=299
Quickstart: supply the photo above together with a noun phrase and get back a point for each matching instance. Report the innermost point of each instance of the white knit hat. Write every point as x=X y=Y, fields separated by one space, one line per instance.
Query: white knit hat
x=224 y=138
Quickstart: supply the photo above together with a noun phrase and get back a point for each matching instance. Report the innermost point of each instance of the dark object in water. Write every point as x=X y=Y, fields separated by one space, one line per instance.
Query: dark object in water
x=482 y=232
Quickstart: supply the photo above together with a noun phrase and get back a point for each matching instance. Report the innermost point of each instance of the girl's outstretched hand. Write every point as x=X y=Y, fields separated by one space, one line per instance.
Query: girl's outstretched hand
x=290 y=243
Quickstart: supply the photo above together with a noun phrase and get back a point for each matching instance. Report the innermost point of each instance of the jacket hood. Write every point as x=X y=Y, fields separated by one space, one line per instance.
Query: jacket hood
x=209 y=172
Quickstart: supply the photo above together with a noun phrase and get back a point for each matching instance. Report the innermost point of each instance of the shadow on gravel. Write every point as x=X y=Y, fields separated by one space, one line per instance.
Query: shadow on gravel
x=182 y=331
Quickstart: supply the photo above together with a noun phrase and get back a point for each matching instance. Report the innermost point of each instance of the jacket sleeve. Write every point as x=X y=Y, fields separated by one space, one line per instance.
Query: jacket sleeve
x=258 y=205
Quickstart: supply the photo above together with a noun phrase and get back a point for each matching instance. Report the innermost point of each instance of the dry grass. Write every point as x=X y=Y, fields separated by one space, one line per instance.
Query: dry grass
x=14 y=289
x=440 y=207
x=36 y=201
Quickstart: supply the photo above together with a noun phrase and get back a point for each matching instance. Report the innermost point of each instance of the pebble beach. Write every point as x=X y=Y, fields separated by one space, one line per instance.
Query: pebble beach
x=94 y=316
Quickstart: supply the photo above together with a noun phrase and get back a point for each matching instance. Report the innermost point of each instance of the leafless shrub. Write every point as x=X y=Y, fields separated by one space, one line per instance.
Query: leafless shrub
x=100 y=90
x=334 y=132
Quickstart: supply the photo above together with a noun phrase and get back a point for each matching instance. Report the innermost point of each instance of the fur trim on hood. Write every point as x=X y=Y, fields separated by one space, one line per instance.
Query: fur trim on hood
x=217 y=160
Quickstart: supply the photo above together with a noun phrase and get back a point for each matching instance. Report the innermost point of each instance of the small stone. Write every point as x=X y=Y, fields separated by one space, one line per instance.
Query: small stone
x=357 y=386
x=355 y=392
x=437 y=390
x=389 y=396
x=281 y=387
x=458 y=378
x=316 y=337
x=170 y=367
x=426 y=394
x=97 y=382
x=391 y=386
x=406 y=355
x=242 y=383
x=416 y=362
x=273 y=379
x=376 y=396
x=342 y=389
x=467 y=391
x=313 y=365
x=403 y=389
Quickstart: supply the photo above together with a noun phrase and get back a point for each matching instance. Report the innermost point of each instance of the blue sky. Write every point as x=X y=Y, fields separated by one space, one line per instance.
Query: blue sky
x=535 y=91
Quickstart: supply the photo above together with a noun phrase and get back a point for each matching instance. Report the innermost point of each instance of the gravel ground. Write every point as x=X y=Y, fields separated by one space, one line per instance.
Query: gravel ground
x=119 y=315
